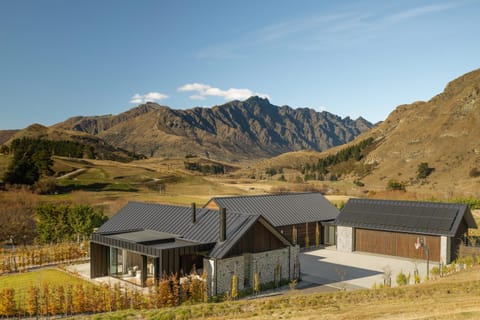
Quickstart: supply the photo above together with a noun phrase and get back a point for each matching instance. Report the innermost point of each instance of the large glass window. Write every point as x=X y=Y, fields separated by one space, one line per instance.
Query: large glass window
x=126 y=265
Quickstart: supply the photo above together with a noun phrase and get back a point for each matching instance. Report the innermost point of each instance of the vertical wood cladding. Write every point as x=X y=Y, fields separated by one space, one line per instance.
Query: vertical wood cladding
x=256 y=239
x=395 y=244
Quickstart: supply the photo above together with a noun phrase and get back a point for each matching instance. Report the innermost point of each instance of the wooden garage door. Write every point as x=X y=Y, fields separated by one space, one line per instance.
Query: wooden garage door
x=395 y=244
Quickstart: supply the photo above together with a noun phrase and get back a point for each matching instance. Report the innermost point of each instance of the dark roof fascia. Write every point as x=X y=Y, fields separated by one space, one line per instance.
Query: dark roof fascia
x=124 y=244
x=149 y=250
x=400 y=230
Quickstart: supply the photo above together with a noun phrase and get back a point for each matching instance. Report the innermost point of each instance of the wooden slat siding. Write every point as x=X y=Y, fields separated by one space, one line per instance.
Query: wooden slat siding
x=256 y=239
x=287 y=231
x=395 y=244
x=100 y=260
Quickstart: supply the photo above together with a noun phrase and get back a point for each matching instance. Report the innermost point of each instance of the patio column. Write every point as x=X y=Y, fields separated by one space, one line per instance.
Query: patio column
x=144 y=270
x=156 y=270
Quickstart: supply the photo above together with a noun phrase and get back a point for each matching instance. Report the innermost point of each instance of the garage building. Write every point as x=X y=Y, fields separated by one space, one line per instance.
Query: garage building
x=397 y=228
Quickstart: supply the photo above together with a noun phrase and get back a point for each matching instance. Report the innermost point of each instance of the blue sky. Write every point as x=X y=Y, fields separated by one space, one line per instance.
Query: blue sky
x=353 y=58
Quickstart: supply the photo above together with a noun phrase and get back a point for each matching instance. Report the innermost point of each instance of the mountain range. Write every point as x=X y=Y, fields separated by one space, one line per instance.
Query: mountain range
x=237 y=130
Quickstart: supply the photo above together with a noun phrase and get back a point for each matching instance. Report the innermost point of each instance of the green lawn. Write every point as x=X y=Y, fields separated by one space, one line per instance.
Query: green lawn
x=21 y=281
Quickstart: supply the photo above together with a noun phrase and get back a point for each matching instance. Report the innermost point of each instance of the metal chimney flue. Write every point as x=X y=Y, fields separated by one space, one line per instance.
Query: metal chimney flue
x=223 y=224
x=194 y=212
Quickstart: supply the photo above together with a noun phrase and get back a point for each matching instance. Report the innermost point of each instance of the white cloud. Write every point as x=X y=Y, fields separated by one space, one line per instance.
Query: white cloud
x=149 y=97
x=204 y=90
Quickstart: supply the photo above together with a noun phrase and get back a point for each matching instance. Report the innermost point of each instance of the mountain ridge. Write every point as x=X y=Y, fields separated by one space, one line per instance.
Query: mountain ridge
x=248 y=129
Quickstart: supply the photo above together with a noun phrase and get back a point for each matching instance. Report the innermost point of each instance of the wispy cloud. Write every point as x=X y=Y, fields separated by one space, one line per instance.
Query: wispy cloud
x=320 y=32
x=419 y=11
x=201 y=91
x=149 y=97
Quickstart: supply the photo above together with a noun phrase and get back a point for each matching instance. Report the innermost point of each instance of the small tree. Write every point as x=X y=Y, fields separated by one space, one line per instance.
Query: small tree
x=256 y=283
x=32 y=301
x=234 y=286
x=7 y=302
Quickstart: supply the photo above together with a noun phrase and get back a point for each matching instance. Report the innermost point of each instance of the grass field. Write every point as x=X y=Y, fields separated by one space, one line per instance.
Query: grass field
x=21 y=281
x=454 y=297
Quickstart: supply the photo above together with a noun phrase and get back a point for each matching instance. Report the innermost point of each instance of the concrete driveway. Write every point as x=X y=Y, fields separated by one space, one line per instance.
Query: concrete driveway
x=350 y=271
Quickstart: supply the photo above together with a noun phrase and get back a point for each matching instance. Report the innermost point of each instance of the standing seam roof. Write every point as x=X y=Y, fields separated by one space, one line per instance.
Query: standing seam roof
x=405 y=216
x=283 y=209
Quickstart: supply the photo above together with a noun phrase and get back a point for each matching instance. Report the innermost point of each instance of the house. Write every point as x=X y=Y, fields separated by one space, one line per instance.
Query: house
x=399 y=228
x=143 y=241
x=295 y=215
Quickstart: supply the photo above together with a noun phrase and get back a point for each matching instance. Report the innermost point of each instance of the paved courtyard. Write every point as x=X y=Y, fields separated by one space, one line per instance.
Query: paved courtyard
x=350 y=271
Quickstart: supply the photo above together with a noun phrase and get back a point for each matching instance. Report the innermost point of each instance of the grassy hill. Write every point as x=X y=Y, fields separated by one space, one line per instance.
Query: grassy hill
x=111 y=184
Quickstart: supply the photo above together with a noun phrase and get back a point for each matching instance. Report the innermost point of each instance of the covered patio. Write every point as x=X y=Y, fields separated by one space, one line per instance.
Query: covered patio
x=142 y=256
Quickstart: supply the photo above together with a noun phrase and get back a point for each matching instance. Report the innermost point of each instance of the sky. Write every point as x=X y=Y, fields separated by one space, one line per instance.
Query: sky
x=66 y=58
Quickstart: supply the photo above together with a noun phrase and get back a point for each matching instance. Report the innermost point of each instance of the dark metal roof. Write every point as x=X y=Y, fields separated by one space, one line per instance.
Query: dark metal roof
x=432 y=218
x=282 y=209
x=177 y=220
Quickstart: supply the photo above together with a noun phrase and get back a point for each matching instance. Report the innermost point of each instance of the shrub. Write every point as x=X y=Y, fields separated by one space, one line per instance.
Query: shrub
x=424 y=170
x=395 y=185
x=402 y=279
x=474 y=173
x=45 y=185
x=435 y=272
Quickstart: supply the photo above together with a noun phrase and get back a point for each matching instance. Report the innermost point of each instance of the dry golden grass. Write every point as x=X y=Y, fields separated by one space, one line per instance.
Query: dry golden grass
x=453 y=297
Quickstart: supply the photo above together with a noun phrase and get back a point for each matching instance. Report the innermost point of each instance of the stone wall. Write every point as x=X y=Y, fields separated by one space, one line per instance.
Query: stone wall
x=344 y=239
x=219 y=272
x=265 y=262
x=219 y=275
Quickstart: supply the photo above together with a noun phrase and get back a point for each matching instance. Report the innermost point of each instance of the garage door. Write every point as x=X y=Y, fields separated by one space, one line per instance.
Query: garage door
x=395 y=244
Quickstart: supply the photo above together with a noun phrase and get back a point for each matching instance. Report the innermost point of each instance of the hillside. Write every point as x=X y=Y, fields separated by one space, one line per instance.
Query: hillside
x=236 y=130
x=100 y=148
x=5 y=135
x=442 y=132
